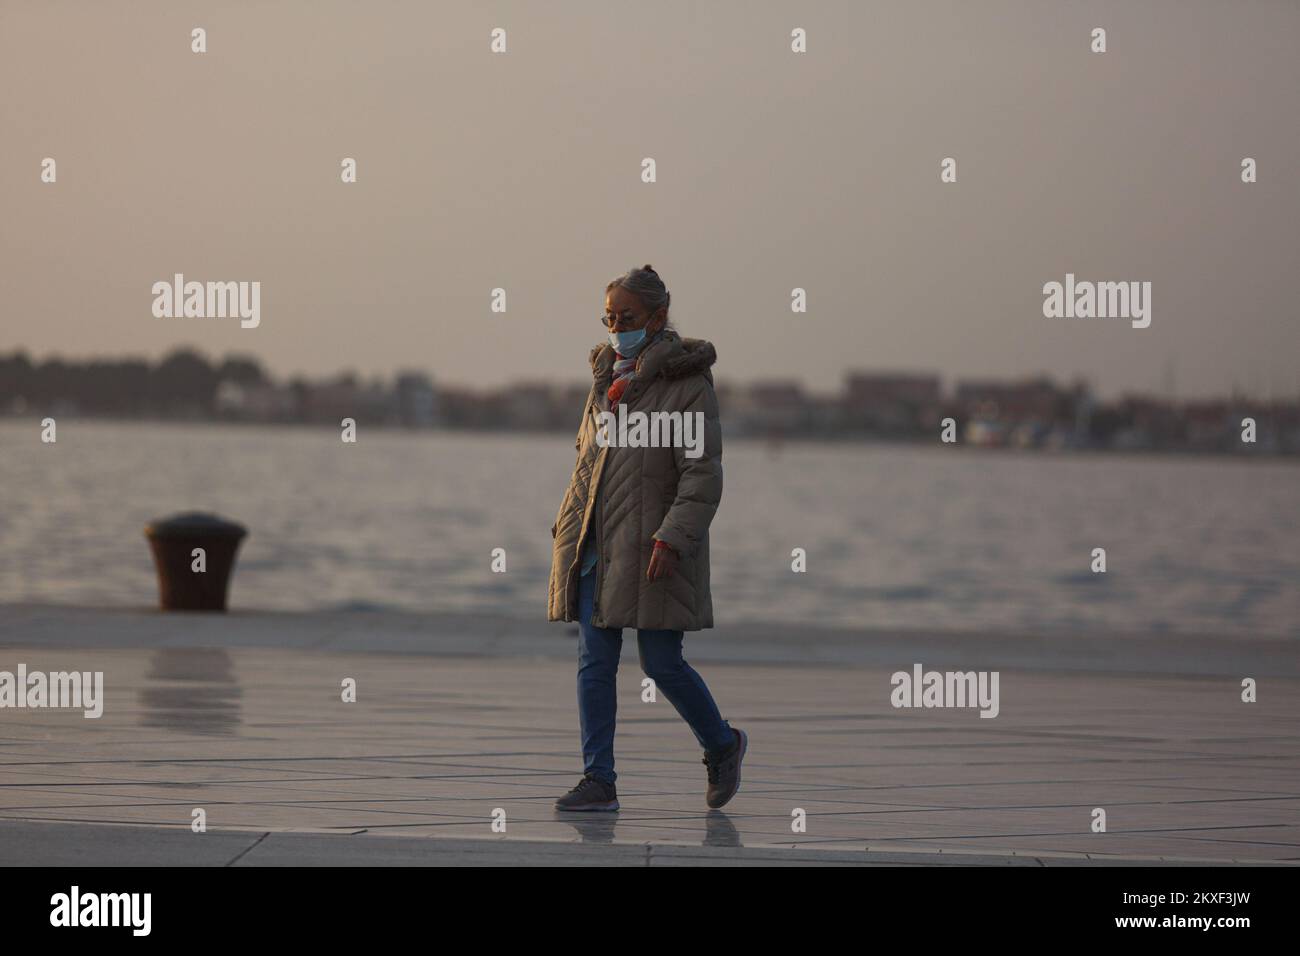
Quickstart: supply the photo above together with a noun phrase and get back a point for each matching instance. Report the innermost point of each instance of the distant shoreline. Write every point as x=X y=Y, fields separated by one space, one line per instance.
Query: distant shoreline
x=775 y=439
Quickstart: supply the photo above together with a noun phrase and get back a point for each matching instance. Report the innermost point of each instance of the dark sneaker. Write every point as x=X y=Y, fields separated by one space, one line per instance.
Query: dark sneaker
x=724 y=770
x=589 y=794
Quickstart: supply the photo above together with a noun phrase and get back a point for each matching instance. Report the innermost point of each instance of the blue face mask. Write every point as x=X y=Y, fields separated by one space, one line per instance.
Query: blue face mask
x=627 y=344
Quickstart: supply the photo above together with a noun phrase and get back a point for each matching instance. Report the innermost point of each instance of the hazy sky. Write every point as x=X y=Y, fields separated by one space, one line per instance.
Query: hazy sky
x=775 y=170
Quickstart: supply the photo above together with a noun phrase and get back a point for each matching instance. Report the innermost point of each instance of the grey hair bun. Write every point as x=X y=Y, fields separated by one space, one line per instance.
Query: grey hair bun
x=646 y=285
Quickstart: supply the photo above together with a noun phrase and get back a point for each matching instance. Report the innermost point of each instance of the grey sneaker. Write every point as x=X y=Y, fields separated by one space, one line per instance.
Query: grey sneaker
x=589 y=794
x=724 y=770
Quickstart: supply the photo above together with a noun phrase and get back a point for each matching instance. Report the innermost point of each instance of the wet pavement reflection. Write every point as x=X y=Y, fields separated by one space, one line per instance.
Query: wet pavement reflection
x=191 y=690
x=600 y=827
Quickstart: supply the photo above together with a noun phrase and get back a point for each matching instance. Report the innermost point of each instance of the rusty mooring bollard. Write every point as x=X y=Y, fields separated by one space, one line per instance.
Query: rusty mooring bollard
x=173 y=540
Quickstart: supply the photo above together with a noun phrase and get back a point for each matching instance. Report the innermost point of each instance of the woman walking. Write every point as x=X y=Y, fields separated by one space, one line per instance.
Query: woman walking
x=632 y=537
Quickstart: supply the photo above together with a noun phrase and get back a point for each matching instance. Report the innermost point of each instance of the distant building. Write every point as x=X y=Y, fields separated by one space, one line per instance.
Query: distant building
x=343 y=397
x=1029 y=413
x=768 y=408
x=892 y=403
x=862 y=389
x=566 y=403
x=417 y=401
x=528 y=406
x=253 y=401
x=1037 y=400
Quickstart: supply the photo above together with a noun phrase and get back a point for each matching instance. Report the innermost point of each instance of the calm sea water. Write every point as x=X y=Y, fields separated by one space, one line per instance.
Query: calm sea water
x=941 y=538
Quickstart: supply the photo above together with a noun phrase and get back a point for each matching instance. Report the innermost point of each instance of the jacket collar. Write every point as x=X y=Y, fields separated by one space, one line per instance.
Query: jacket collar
x=670 y=356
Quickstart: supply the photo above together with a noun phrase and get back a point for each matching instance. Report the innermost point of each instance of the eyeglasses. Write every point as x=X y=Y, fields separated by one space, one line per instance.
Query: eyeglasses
x=625 y=319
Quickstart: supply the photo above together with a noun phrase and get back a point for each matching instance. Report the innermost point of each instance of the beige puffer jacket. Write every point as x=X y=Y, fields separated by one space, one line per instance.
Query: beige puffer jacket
x=647 y=494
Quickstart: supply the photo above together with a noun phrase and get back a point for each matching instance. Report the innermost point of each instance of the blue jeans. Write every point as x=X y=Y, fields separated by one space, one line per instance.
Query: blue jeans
x=599 y=649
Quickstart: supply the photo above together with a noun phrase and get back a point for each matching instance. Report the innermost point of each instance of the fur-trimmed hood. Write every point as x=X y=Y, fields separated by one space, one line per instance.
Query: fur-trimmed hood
x=671 y=356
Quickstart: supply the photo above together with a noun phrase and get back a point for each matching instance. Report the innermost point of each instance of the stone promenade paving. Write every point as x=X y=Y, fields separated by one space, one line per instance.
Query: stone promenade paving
x=438 y=743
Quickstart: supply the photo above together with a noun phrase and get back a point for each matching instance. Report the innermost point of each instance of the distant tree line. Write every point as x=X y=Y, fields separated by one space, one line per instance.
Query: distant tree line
x=184 y=382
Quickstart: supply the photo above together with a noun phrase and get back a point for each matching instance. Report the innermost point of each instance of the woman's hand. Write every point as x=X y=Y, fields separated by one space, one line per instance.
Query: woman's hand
x=663 y=561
